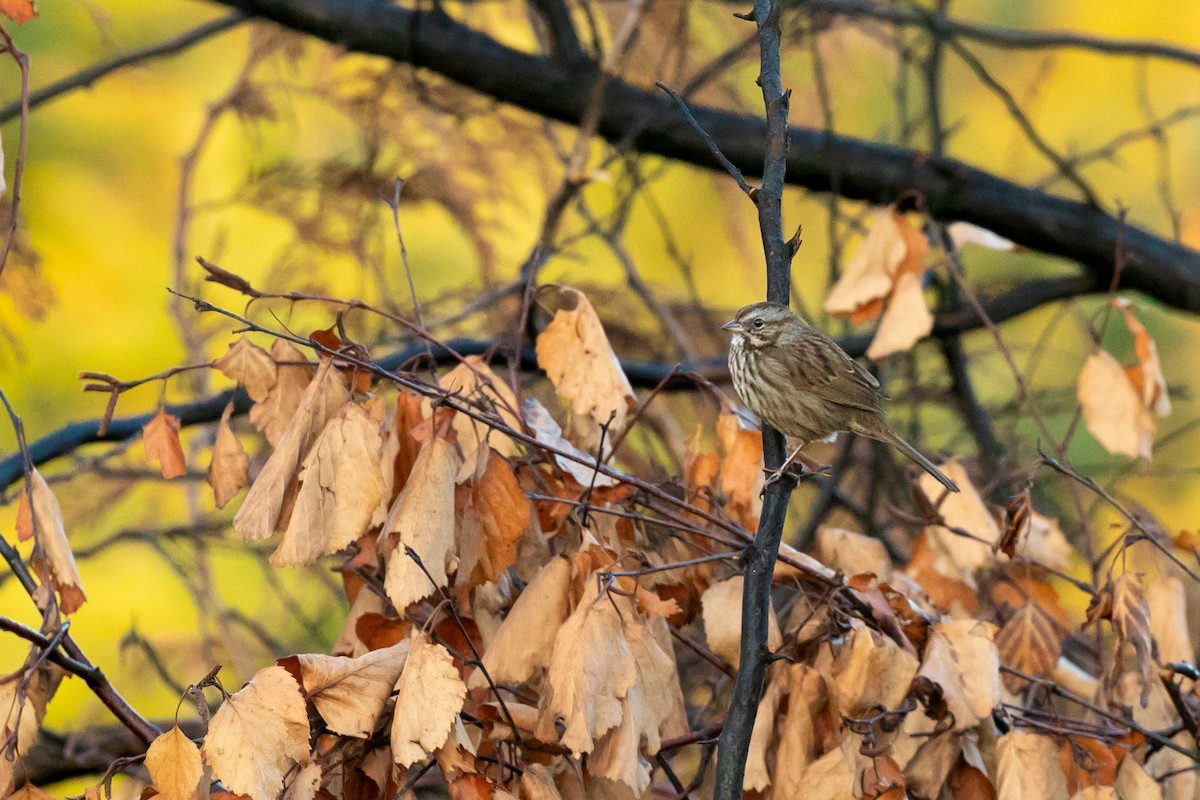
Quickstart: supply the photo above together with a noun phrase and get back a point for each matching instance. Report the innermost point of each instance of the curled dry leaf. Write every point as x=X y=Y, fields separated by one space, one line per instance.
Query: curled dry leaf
x=42 y=519
x=964 y=233
x=477 y=384
x=250 y=366
x=350 y=693
x=175 y=766
x=495 y=516
x=955 y=555
x=575 y=353
x=161 y=438
x=906 y=321
x=853 y=553
x=1112 y=409
x=423 y=519
x=722 y=604
x=264 y=503
x=341 y=486
x=799 y=730
x=962 y=658
x=257 y=734
x=1028 y=767
x=1147 y=375
x=293 y=372
x=229 y=471
x=548 y=432
x=525 y=639
x=591 y=669
x=1029 y=642
x=18 y=725
x=741 y=468
x=429 y=695
x=865 y=670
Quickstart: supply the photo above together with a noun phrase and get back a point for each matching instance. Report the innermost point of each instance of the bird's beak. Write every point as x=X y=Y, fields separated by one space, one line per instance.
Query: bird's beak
x=730 y=326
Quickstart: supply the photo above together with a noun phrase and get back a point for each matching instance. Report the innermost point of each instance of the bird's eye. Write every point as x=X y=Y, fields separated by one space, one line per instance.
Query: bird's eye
x=758 y=323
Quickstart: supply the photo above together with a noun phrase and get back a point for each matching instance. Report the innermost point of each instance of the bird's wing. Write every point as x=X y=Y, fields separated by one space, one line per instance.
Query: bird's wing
x=837 y=377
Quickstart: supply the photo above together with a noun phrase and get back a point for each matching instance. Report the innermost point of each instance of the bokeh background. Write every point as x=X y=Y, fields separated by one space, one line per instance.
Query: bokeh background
x=287 y=185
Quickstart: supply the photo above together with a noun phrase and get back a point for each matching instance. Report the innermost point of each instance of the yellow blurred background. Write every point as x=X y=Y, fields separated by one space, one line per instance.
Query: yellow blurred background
x=100 y=208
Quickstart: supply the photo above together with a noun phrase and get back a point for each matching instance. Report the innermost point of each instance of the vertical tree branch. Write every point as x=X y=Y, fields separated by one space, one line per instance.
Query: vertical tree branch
x=758 y=560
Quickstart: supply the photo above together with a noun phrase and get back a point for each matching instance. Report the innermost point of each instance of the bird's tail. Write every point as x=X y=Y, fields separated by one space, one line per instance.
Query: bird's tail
x=921 y=461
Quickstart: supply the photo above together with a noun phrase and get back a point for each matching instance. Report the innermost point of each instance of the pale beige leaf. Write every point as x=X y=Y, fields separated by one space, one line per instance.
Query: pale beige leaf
x=575 y=353
x=957 y=556
x=475 y=382
x=537 y=783
x=656 y=699
x=868 y=274
x=423 y=517
x=964 y=233
x=429 y=695
x=1131 y=620
x=762 y=736
x=591 y=669
x=341 y=486
x=962 y=658
x=1028 y=767
x=526 y=637
x=722 y=611
x=229 y=471
x=175 y=767
x=549 y=433
x=1029 y=642
x=1167 y=605
x=1095 y=793
x=1134 y=784
x=906 y=320
x=322 y=399
x=249 y=365
x=30 y=792
x=1112 y=409
x=43 y=520
x=853 y=553
x=160 y=436
x=867 y=669
x=257 y=734
x=1043 y=542
x=800 y=732
x=349 y=693
x=305 y=783
x=830 y=777
x=293 y=373
x=18 y=724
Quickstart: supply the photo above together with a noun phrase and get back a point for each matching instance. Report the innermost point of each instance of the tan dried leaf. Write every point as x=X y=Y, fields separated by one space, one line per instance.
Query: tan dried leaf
x=43 y=520
x=591 y=669
x=341 y=487
x=956 y=556
x=1131 y=619
x=1028 y=767
x=853 y=553
x=429 y=695
x=741 y=468
x=495 y=516
x=1043 y=542
x=293 y=373
x=305 y=783
x=575 y=353
x=423 y=518
x=250 y=366
x=257 y=734
x=1134 y=784
x=476 y=383
x=830 y=777
x=867 y=670
x=961 y=657
x=161 y=439
x=350 y=693
x=1167 y=605
x=321 y=400
x=30 y=792
x=175 y=767
x=964 y=233
x=868 y=277
x=722 y=612
x=1147 y=376
x=1112 y=409
x=548 y=432
x=1029 y=642
x=800 y=731
x=229 y=471
x=906 y=320
x=537 y=783
x=525 y=639
x=19 y=725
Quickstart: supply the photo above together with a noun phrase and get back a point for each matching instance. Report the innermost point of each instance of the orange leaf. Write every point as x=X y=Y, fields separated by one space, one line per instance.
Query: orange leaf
x=495 y=516
x=53 y=558
x=161 y=439
x=19 y=11
x=1029 y=642
x=249 y=365
x=228 y=473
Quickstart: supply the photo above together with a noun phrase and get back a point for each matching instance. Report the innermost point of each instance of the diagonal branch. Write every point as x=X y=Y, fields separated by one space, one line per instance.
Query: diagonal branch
x=863 y=170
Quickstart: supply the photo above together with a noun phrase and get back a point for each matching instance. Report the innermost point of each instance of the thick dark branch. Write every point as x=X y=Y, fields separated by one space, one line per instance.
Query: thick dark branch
x=643 y=374
x=864 y=170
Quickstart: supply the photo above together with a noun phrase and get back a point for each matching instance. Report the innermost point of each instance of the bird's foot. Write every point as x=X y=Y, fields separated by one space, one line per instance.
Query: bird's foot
x=796 y=471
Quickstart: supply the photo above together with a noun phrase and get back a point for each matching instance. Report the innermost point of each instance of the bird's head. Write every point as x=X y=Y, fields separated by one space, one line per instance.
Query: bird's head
x=761 y=324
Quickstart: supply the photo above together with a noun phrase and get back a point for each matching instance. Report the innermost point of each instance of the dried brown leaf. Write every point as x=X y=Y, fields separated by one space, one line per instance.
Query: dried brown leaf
x=229 y=471
x=350 y=693
x=476 y=383
x=293 y=372
x=548 y=432
x=962 y=658
x=1028 y=767
x=495 y=516
x=1112 y=408
x=20 y=12
x=429 y=695
x=175 y=767
x=722 y=603
x=741 y=468
x=957 y=556
x=250 y=366
x=161 y=438
x=1030 y=642
x=525 y=639
x=258 y=733
x=53 y=557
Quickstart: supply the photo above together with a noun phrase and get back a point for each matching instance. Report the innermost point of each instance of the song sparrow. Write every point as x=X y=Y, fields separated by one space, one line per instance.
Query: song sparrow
x=798 y=381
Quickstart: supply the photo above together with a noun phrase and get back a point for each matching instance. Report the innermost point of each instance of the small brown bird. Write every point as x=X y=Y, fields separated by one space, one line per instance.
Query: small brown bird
x=798 y=381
